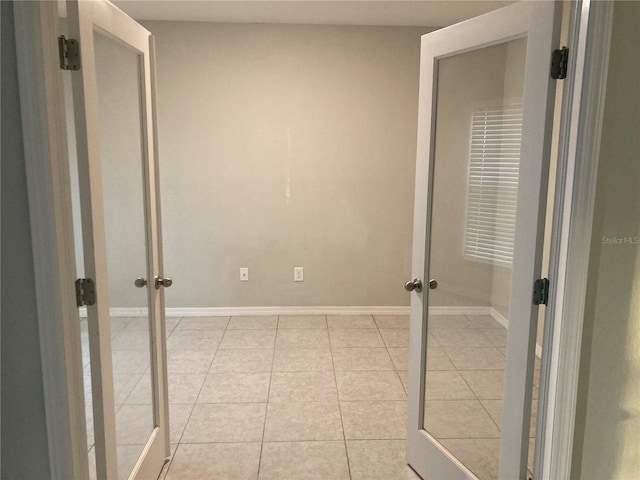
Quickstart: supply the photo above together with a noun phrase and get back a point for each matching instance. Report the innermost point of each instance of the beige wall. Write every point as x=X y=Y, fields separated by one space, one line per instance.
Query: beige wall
x=607 y=439
x=285 y=146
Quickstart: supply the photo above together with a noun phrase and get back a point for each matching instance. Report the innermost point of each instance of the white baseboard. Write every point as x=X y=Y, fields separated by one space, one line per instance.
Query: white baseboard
x=242 y=311
x=479 y=310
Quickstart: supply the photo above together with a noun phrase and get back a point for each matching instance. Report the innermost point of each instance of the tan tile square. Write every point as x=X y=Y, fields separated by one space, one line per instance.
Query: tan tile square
x=379 y=460
x=178 y=418
x=123 y=385
x=447 y=321
x=302 y=321
x=486 y=384
x=400 y=357
x=132 y=340
x=497 y=336
x=483 y=321
x=236 y=339
x=253 y=322
x=225 y=422
x=459 y=419
x=129 y=362
x=392 y=321
x=480 y=455
x=290 y=387
x=302 y=360
x=134 y=424
x=303 y=421
x=404 y=378
x=189 y=340
x=304 y=461
x=228 y=461
x=235 y=388
x=447 y=385
x=203 y=323
x=350 y=321
x=183 y=388
x=369 y=386
x=437 y=359
x=460 y=337
x=361 y=359
x=395 y=337
x=360 y=337
x=374 y=420
x=242 y=360
x=302 y=338
x=476 y=358
x=189 y=361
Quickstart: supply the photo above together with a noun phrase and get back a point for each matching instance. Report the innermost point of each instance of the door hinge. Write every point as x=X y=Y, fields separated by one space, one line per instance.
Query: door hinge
x=559 y=63
x=85 y=292
x=69 y=50
x=541 y=291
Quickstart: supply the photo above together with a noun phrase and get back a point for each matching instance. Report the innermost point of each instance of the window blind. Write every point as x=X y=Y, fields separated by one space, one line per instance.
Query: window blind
x=494 y=163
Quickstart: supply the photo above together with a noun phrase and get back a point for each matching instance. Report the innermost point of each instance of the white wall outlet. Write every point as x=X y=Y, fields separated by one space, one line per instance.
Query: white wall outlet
x=298 y=274
x=244 y=274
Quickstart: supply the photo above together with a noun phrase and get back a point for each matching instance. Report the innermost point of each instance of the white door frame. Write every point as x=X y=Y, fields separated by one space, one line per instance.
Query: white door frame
x=47 y=166
x=46 y=159
x=578 y=152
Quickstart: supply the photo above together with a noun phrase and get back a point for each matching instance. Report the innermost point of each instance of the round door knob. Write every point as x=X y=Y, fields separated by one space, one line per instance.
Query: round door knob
x=415 y=284
x=140 y=282
x=433 y=284
x=163 y=282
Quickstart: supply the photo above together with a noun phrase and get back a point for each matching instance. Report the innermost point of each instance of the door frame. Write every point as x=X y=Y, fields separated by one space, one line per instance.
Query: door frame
x=49 y=196
x=589 y=39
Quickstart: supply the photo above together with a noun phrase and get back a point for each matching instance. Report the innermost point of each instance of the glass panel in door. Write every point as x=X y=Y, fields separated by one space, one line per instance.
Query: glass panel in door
x=473 y=217
x=118 y=79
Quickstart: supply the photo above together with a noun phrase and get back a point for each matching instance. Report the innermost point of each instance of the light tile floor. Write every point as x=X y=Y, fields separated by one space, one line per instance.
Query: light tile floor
x=297 y=397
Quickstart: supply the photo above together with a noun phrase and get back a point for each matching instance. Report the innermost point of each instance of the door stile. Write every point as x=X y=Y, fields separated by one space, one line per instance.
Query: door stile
x=162 y=388
x=93 y=232
x=539 y=99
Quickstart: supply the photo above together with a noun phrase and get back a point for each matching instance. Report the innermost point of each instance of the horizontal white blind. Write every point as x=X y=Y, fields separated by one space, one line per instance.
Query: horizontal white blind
x=494 y=162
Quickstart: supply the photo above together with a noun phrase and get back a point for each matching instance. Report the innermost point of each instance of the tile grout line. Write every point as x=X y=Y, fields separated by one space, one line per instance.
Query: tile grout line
x=266 y=408
x=335 y=380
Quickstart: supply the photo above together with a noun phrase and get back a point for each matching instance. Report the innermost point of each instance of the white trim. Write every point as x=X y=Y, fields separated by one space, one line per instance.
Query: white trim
x=500 y=318
x=243 y=311
x=582 y=116
x=47 y=168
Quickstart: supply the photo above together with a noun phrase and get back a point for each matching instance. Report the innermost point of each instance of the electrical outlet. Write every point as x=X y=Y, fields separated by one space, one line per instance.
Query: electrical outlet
x=244 y=274
x=298 y=274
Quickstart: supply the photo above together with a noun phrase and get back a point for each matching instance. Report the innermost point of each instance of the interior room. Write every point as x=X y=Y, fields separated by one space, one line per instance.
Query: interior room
x=295 y=231
x=289 y=146
x=285 y=147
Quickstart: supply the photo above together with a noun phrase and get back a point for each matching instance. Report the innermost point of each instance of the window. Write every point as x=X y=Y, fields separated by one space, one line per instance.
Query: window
x=494 y=162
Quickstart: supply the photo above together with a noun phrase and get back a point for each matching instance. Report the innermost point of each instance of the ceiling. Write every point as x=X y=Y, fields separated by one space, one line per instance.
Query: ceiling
x=429 y=13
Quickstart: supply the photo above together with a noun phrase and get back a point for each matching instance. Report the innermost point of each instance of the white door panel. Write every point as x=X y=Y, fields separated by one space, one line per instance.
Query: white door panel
x=114 y=103
x=485 y=112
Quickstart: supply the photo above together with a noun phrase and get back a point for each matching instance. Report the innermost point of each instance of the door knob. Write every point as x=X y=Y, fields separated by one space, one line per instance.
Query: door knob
x=433 y=284
x=415 y=284
x=140 y=282
x=163 y=282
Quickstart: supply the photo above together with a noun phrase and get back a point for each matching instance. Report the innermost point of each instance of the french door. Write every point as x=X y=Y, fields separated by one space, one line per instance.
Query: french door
x=485 y=115
x=115 y=128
